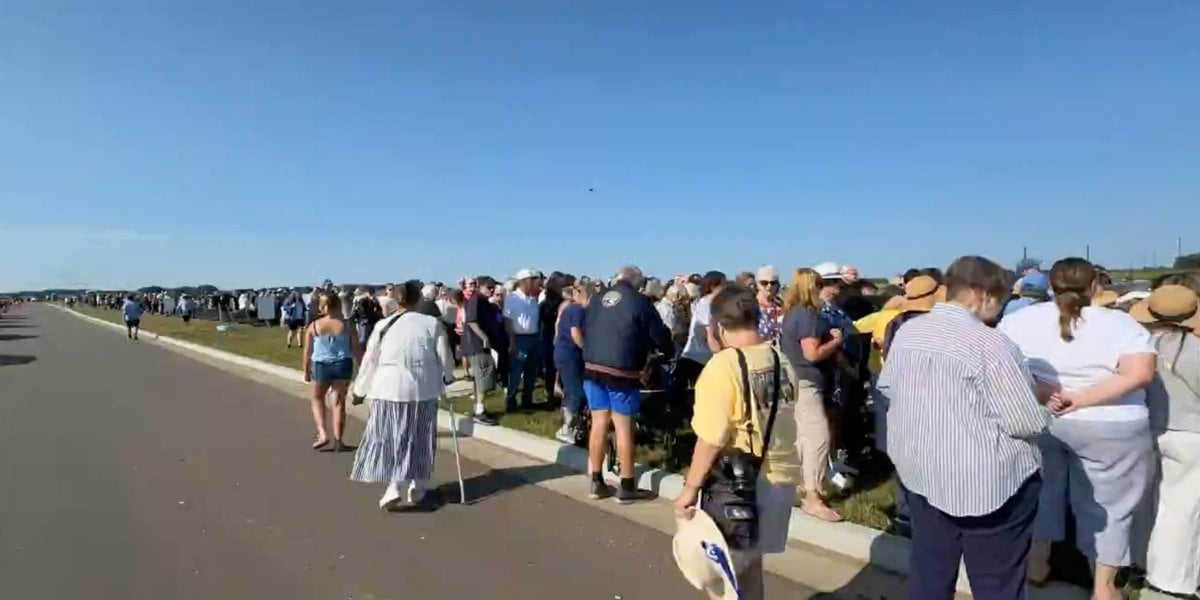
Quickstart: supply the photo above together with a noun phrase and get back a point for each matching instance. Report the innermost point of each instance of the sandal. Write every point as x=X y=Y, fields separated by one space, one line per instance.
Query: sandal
x=319 y=443
x=824 y=514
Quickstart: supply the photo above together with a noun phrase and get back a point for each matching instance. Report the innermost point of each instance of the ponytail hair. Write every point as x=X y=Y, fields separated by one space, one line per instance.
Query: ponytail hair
x=1072 y=280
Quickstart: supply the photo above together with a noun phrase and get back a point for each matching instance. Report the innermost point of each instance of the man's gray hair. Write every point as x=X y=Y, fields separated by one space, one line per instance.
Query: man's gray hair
x=631 y=275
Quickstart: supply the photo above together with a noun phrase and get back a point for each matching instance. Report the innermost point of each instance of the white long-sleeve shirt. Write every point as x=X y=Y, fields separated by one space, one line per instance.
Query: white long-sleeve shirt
x=412 y=364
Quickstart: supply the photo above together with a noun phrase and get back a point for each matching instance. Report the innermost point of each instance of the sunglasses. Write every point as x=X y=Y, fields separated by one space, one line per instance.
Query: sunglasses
x=768 y=283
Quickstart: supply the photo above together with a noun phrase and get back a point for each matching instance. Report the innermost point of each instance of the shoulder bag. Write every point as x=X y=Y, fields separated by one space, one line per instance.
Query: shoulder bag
x=366 y=370
x=729 y=494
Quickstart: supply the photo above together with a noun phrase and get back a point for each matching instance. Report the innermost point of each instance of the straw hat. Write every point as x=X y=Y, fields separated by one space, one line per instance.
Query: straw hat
x=1169 y=304
x=1106 y=299
x=940 y=295
x=920 y=294
x=703 y=556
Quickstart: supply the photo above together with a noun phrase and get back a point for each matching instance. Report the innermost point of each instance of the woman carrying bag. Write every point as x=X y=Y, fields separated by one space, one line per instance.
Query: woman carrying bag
x=407 y=366
x=745 y=468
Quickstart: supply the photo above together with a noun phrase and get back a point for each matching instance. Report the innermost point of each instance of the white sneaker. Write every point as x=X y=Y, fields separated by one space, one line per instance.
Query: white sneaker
x=392 y=497
x=565 y=435
x=840 y=481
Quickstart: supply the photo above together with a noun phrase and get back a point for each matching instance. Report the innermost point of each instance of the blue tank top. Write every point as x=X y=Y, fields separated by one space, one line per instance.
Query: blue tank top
x=331 y=348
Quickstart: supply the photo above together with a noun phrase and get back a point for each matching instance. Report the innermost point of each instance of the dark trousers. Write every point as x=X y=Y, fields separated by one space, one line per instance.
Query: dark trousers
x=549 y=368
x=685 y=374
x=570 y=366
x=993 y=547
x=524 y=362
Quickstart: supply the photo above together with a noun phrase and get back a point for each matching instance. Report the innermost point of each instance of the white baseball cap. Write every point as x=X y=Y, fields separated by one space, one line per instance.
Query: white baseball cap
x=526 y=274
x=829 y=270
x=767 y=273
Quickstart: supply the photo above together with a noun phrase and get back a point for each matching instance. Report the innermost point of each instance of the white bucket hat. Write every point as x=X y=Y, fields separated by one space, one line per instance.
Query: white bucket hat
x=703 y=556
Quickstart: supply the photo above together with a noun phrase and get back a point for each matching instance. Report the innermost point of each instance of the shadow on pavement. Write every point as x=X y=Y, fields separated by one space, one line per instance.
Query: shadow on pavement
x=497 y=481
x=7 y=360
x=8 y=337
x=872 y=582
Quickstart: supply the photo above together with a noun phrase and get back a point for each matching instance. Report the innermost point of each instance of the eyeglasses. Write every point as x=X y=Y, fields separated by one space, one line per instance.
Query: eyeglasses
x=768 y=283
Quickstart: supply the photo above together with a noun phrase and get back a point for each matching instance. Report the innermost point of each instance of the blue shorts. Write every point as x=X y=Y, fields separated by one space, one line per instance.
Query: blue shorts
x=329 y=372
x=623 y=401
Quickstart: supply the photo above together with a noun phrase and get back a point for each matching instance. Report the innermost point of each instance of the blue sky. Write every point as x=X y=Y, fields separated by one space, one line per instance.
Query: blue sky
x=271 y=142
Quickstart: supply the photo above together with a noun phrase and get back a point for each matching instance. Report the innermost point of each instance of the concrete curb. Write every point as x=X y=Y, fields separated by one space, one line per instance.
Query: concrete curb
x=883 y=550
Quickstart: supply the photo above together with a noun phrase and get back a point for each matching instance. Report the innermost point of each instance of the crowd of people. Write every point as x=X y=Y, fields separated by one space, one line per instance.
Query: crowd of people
x=1010 y=403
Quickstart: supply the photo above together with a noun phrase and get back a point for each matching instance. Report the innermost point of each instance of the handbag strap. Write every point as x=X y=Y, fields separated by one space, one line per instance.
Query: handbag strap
x=748 y=399
x=388 y=325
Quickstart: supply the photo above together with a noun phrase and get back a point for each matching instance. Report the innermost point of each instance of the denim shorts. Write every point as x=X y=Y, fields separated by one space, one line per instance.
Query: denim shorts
x=623 y=401
x=328 y=372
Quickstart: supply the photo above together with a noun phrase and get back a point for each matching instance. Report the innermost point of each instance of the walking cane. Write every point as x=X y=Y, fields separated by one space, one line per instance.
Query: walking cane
x=462 y=488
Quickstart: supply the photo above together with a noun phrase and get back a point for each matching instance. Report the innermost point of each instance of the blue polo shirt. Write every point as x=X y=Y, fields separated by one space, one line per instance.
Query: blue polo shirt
x=132 y=310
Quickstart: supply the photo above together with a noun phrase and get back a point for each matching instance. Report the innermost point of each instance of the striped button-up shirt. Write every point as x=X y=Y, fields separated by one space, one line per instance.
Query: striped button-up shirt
x=962 y=414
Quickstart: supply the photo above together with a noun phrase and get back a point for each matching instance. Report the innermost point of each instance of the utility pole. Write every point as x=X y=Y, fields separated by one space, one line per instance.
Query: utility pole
x=1024 y=252
x=1087 y=252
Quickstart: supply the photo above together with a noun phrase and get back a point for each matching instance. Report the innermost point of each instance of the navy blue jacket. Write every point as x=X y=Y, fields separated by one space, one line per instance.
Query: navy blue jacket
x=621 y=329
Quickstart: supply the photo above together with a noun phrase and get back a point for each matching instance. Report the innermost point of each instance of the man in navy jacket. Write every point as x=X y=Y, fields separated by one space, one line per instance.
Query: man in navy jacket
x=622 y=328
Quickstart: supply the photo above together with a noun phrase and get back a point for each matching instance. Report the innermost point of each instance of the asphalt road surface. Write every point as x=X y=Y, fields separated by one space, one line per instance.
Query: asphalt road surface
x=128 y=471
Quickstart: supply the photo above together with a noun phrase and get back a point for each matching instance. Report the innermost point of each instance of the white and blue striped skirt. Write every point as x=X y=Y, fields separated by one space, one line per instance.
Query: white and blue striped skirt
x=399 y=442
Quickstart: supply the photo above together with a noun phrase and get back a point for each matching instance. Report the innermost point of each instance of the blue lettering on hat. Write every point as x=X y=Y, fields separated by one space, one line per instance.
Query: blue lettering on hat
x=717 y=555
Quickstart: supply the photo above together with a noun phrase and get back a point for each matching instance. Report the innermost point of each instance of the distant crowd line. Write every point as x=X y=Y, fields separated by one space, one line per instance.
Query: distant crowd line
x=1010 y=403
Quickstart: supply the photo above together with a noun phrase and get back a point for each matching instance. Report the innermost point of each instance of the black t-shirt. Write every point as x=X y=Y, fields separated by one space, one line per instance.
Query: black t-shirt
x=479 y=310
x=367 y=310
x=547 y=315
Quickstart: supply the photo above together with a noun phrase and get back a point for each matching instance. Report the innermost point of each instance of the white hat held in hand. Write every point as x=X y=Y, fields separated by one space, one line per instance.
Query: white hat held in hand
x=703 y=556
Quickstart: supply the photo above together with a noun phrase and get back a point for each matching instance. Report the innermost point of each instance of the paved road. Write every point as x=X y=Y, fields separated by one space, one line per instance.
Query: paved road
x=128 y=471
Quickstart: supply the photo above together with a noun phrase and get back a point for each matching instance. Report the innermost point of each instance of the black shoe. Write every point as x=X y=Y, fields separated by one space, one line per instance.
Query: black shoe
x=629 y=496
x=486 y=419
x=600 y=490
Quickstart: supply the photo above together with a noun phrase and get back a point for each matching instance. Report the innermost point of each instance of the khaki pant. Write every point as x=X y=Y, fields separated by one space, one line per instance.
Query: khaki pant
x=1173 y=515
x=812 y=436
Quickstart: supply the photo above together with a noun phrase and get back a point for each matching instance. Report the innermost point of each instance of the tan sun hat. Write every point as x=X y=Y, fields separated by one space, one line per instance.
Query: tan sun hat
x=1169 y=304
x=920 y=294
x=1106 y=298
x=703 y=556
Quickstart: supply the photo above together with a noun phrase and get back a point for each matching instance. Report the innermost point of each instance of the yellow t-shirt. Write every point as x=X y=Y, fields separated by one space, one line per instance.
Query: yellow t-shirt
x=719 y=416
x=876 y=323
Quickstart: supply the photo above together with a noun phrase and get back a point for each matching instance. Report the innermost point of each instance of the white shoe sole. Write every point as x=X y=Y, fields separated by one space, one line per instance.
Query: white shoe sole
x=389 y=503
